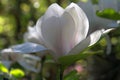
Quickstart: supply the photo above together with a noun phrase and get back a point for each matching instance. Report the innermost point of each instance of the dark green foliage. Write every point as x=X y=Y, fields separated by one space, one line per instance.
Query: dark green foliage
x=109 y=14
x=72 y=76
x=94 y=1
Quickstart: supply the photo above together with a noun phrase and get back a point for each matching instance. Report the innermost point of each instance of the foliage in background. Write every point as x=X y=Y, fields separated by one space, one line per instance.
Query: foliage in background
x=17 y=15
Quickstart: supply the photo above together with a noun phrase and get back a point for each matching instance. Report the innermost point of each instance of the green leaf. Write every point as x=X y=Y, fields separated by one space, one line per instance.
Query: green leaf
x=67 y=60
x=74 y=1
x=70 y=59
x=72 y=76
x=3 y=68
x=94 y=1
x=1 y=77
x=17 y=73
x=109 y=14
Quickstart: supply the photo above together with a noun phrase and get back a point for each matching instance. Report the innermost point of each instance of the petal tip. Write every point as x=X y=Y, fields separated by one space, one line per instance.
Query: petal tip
x=108 y=30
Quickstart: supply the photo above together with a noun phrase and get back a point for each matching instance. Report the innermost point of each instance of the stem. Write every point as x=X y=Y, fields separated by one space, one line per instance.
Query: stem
x=42 y=64
x=60 y=72
x=5 y=79
x=1 y=77
x=109 y=45
x=40 y=75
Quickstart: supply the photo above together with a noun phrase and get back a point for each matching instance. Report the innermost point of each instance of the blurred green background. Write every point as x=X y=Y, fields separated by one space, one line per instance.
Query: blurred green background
x=17 y=15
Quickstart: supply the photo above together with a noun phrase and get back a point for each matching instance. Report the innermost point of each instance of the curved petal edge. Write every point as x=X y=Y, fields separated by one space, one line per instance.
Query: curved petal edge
x=89 y=41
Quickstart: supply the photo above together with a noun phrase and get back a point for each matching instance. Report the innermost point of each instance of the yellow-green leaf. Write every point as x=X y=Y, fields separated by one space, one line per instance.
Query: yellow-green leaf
x=17 y=73
x=3 y=68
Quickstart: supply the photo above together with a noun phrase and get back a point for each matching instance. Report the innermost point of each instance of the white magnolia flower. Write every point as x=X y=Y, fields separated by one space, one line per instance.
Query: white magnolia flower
x=62 y=31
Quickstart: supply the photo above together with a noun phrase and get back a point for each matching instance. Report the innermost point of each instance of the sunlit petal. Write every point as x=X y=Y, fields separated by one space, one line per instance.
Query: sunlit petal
x=75 y=27
x=108 y=30
x=81 y=21
x=50 y=27
x=89 y=41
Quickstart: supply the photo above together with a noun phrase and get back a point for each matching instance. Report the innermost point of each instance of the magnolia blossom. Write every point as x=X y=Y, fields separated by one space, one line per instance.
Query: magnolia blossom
x=62 y=31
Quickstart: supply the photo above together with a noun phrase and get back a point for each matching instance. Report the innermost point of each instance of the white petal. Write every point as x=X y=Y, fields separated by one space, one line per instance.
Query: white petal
x=32 y=36
x=5 y=54
x=81 y=21
x=95 y=36
x=10 y=55
x=75 y=27
x=89 y=41
x=54 y=10
x=50 y=27
x=27 y=66
x=29 y=62
x=28 y=48
x=108 y=30
x=68 y=33
x=32 y=57
x=8 y=50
